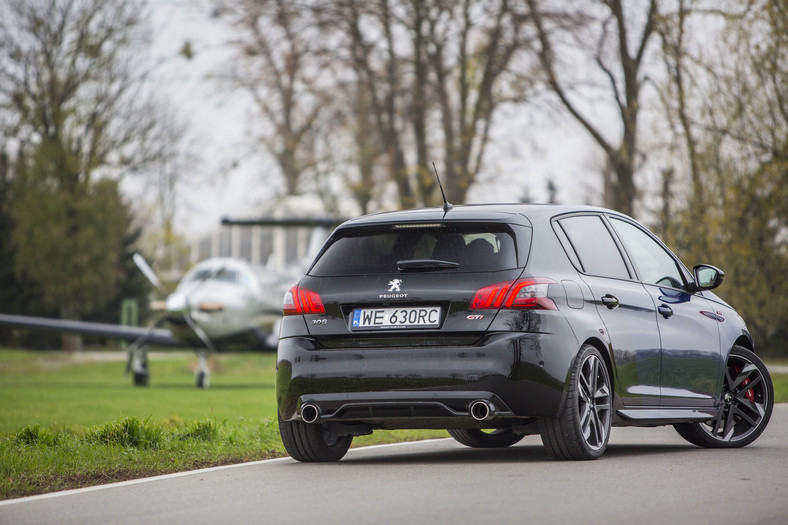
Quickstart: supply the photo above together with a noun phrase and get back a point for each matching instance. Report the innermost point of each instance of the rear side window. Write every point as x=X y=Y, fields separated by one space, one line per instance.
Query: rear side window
x=474 y=247
x=591 y=240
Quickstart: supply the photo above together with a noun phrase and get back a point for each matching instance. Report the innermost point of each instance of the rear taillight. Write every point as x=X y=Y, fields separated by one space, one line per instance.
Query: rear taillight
x=300 y=300
x=530 y=294
x=490 y=296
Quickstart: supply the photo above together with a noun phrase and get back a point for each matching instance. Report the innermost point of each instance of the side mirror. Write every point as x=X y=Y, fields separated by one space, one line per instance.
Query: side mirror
x=707 y=277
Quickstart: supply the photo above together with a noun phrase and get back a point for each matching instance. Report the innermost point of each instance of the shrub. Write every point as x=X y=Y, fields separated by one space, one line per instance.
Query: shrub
x=129 y=432
x=205 y=430
x=34 y=435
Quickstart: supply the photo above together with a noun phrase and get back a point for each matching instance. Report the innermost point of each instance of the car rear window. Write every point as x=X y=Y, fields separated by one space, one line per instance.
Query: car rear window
x=474 y=247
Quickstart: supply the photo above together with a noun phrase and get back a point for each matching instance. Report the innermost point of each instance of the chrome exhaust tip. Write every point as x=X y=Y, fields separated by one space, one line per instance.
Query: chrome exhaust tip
x=310 y=413
x=482 y=410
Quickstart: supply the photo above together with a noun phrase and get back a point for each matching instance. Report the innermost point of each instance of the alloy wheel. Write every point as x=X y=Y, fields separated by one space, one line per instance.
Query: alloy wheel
x=744 y=402
x=582 y=429
x=594 y=402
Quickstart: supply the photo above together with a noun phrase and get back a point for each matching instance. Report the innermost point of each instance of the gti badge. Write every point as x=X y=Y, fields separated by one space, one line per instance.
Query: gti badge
x=394 y=285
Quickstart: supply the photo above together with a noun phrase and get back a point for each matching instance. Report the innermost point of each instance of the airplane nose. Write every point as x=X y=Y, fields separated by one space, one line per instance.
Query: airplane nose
x=211 y=307
x=176 y=304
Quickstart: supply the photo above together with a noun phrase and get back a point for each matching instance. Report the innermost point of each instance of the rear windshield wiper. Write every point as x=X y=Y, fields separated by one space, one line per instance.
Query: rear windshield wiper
x=425 y=265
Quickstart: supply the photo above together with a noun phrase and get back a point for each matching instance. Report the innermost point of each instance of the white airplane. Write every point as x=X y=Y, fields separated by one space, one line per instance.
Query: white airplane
x=220 y=304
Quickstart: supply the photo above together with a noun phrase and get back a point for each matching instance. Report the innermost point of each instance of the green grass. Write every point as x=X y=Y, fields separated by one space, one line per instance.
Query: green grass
x=38 y=459
x=70 y=422
x=55 y=389
x=780 y=382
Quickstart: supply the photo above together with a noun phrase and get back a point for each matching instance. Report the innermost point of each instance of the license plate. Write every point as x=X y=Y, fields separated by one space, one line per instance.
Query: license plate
x=395 y=317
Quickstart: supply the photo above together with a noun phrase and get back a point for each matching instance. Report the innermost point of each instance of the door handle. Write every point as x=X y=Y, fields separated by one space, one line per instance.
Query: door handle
x=610 y=301
x=665 y=310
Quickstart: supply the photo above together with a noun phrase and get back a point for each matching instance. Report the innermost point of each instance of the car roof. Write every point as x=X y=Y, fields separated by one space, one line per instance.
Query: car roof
x=514 y=213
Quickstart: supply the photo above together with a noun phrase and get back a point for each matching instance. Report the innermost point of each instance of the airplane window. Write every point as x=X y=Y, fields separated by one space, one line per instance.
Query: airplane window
x=198 y=275
x=228 y=276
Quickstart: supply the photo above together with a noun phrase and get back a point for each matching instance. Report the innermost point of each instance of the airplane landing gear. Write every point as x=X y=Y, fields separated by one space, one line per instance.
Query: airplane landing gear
x=140 y=371
x=202 y=376
x=202 y=379
x=141 y=378
x=137 y=360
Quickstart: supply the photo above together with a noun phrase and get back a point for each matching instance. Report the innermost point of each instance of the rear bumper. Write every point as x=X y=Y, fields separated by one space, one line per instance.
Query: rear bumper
x=436 y=409
x=522 y=375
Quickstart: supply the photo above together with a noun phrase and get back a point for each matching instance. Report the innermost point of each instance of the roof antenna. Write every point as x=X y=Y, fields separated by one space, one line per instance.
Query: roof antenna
x=446 y=204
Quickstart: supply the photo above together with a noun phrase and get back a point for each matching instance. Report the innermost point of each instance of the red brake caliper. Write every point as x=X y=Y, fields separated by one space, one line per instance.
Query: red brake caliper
x=750 y=394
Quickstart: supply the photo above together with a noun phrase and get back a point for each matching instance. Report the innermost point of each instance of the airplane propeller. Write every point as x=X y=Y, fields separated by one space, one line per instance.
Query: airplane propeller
x=147 y=271
x=204 y=371
x=137 y=356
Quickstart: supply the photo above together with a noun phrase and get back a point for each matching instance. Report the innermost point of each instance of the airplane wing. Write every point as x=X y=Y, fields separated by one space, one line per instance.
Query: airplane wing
x=159 y=336
x=290 y=222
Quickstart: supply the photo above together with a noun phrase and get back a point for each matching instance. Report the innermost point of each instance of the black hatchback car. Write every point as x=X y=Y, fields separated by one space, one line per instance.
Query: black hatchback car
x=500 y=321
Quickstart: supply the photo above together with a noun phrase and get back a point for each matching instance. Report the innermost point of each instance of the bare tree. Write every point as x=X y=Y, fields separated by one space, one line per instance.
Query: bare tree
x=68 y=74
x=373 y=55
x=368 y=150
x=729 y=115
x=167 y=161
x=475 y=46
x=282 y=65
x=435 y=74
x=679 y=65
x=408 y=81
x=624 y=33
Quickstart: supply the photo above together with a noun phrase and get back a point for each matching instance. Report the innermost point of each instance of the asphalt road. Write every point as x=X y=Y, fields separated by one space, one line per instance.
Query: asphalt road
x=647 y=476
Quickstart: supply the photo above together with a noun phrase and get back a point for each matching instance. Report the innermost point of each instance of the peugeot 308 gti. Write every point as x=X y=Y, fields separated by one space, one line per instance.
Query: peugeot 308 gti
x=500 y=321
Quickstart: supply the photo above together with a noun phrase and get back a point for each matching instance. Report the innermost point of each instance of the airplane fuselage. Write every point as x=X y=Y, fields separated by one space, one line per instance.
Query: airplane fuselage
x=228 y=299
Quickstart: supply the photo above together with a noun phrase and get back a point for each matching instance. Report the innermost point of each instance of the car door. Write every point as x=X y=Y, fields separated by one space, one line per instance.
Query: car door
x=688 y=327
x=625 y=307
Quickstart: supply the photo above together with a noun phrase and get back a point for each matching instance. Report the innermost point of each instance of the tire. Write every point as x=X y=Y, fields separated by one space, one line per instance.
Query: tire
x=141 y=378
x=310 y=442
x=746 y=404
x=582 y=430
x=475 y=438
x=202 y=379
